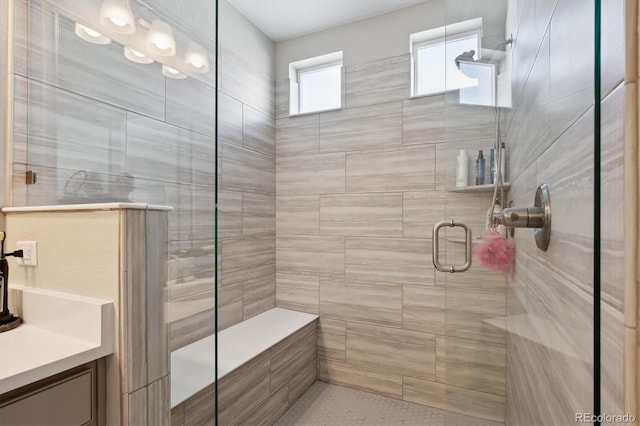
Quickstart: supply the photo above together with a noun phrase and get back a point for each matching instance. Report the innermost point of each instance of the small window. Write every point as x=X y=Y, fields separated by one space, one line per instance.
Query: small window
x=434 y=53
x=316 y=84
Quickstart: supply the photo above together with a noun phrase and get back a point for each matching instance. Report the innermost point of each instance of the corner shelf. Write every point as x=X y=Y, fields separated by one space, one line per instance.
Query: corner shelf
x=477 y=188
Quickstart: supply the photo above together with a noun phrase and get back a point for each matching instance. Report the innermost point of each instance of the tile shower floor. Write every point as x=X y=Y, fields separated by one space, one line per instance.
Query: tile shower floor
x=332 y=405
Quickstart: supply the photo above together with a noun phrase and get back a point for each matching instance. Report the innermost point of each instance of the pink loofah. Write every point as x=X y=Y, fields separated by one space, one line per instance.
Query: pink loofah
x=495 y=252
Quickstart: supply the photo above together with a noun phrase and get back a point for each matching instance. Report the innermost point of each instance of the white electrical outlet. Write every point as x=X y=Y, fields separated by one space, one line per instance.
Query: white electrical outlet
x=29 y=253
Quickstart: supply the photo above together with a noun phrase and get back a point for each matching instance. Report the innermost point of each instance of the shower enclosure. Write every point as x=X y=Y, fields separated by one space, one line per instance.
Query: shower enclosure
x=331 y=212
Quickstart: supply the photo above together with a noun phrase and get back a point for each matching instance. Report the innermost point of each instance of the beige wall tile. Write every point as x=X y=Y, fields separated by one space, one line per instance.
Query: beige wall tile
x=258 y=131
x=424 y=392
x=378 y=81
x=258 y=214
x=423 y=308
x=320 y=255
x=477 y=404
x=475 y=365
x=302 y=380
x=298 y=299
x=177 y=415
x=392 y=351
x=441 y=359
x=269 y=412
x=410 y=168
x=259 y=295
x=377 y=303
x=558 y=377
x=333 y=326
x=289 y=357
x=133 y=312
x=298 y=215
x=244 y=389
x=473 y=299
x=307 y=282
x=612 y=359
x=200 y=409
x=361 y=214
x=423 y=120
x=297 y=136
x=469 y=122
x=244 y=169
x=230 y=213
x=421 y=211
x=332 y=346
x=311 y=174
x=389 y=259
x=298 y=292
x=375 y=126
x=370 y=381
x=247 y=258
x=156 y=255
x=229 y=305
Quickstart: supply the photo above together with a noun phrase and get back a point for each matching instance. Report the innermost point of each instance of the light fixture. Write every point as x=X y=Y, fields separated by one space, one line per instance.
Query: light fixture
x=92 y=36
x=172 y=73
x=116 y=15
x=196 y=59
x=136 y=56
x=160 y=39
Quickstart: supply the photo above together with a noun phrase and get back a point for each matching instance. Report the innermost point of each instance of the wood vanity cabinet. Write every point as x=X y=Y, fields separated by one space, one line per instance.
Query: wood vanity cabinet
x=73 y=397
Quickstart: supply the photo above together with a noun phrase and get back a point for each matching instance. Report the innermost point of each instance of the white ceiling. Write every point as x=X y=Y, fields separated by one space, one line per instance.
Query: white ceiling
x=285 y=19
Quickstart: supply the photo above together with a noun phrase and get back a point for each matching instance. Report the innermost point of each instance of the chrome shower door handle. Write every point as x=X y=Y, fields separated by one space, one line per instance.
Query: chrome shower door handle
x=435 y=238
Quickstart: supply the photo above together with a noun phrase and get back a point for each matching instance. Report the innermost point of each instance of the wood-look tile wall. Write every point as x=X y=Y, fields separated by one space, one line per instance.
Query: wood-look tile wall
x=145 y=138
x=551 y=140
x=357 y=194
x=259 y=391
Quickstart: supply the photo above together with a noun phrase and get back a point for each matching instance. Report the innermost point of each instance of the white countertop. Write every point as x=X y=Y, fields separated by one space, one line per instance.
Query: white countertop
x=92 y=206
x=60 y=331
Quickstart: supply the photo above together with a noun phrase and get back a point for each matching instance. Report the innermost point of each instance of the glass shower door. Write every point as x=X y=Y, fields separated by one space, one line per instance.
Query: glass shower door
x=115 y=102
x=520 y=345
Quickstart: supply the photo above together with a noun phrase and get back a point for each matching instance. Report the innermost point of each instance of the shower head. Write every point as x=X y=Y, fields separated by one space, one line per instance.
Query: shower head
x=465 y=57
x=468 y=55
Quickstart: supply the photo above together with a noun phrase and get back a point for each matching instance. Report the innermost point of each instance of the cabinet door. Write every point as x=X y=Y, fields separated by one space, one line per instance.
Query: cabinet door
x=69 y=401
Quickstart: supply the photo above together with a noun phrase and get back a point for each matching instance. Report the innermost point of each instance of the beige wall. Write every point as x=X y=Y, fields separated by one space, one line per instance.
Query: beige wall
x=551 y=139
x=357 y=194
x=387 y=35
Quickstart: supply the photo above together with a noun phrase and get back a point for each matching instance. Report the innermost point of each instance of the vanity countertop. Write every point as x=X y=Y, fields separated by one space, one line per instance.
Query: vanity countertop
x=60 y=331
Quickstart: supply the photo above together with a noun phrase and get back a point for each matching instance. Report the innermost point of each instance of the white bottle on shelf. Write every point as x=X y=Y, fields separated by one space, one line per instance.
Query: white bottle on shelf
x=462 y=169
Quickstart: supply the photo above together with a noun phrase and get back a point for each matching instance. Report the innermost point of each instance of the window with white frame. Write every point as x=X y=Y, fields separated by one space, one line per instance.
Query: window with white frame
x=316 y=84
x=434 y=53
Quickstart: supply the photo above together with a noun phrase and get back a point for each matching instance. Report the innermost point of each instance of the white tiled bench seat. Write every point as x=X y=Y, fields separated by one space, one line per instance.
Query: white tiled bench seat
x=265 y=363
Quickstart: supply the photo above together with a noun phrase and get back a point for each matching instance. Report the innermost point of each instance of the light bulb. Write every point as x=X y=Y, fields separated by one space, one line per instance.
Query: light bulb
x=90 y=35
x=160 y=39
x=116 y=15
x=117 y=21
x=161 y=42
x=196 y=58
x=167 y=71
x=136 y=56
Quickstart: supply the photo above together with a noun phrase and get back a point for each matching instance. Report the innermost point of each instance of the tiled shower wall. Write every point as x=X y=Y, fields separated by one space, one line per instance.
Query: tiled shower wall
x=357 y=194
x=550 y=132
x=141 y=137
